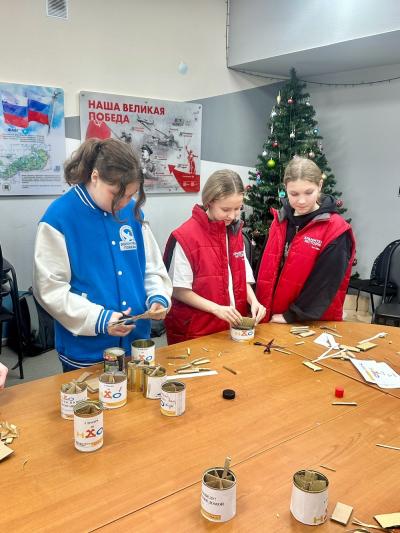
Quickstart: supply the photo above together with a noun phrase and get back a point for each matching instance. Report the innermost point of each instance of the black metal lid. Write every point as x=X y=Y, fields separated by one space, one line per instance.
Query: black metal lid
x=228 y=394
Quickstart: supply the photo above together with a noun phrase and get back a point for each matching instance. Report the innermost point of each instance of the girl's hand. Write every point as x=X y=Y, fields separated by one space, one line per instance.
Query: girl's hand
x=156 y=307
x=258 y=311
x=278 y=319
x=119 y=330
x=228 y=313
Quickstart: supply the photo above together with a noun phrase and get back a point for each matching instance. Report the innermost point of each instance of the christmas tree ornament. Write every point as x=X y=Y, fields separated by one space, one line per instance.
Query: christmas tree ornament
x=273 y=112
x=339 y=203
x=278 y=98
x=271 y=163
x=258 y=180
x=253 y=242
x=290 y=101
x=264 y=153
x=316 y=131
x=308 y=103
x=311 y=154
x=292 y=134
x=281 y=193
x=323 y=176
x=275 y=144
x=272 y=129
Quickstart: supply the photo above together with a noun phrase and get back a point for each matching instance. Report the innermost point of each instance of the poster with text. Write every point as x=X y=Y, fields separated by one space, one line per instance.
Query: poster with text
x=167 y=136
x=32 y=140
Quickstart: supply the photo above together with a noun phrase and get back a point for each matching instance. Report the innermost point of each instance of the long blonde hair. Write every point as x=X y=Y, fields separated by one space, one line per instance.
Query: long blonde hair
x=301 y=168
x=221 y=184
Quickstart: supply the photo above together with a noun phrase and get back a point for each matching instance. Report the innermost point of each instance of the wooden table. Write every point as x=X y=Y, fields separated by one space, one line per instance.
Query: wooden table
x=146 y=476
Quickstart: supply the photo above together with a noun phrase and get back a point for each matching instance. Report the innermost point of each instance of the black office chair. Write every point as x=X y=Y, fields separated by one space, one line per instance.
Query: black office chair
x=374 y=286
x=389 y=312
x=248 y=248
x=9 y=287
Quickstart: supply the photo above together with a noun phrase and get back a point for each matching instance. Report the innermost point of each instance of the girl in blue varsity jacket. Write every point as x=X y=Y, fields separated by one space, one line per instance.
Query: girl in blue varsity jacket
x=95 y=257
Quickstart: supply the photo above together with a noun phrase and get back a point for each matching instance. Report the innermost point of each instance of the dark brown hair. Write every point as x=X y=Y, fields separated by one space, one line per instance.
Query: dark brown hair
x=116 y=163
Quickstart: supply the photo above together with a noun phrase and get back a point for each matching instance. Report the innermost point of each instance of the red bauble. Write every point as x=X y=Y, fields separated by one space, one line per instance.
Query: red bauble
x=290 y=101
x=249 y=187
x=339 y=203
x=275 y=144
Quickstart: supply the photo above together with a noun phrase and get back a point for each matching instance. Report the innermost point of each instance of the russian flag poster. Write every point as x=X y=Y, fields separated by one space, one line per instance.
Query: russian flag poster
x=32 y=140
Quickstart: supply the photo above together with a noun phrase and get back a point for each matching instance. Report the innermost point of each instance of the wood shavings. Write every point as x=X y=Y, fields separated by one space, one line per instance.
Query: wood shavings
x=8 y=432
x=387 y=446
x=229 y=369
x=308 y=364
x=342 y=513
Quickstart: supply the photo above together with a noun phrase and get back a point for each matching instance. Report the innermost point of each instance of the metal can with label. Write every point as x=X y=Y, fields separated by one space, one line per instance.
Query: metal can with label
x=88 y=425
x=143 y=350
x=114 y=359
x=309 y=501
x=173 y=396
x=113 y=389
x=242 y=334
x=153 y=378
x=70 y=395
x=218 y=496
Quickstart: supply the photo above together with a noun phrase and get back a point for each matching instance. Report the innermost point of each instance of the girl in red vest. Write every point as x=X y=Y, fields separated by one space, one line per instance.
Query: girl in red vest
x=210 y=274
x=306 y=265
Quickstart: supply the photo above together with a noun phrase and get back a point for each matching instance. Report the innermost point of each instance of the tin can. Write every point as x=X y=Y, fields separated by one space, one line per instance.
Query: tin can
x=88 y=425
x=153 y=378
x=309 y=507
x=218 y=498
x=114 y=359
x=113 y=389
x=70 y=395
x=143 y=350
x=242 y=334
x=173 y=396
x=135 y=375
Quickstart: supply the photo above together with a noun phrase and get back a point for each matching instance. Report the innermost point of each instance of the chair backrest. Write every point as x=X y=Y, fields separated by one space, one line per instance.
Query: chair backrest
x=248 y=248
x=381 y=263
x=393 y=270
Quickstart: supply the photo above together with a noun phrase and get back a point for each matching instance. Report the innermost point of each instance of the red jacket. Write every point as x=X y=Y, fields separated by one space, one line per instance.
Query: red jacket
x=204 y=244
x=278 y=294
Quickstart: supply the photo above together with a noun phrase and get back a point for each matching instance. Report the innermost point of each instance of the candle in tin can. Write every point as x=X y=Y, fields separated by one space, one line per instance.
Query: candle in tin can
x=113 y=389
x=173 y=398
x=218 y=495
x=153 y=378
x=114 y=359
x=143 y=350
x=88 y=425
x=309 y=501
x=70 y=395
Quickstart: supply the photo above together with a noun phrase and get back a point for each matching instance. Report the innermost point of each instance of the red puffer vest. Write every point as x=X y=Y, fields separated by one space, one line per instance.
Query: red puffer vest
x=278 y=294
x=204 y=244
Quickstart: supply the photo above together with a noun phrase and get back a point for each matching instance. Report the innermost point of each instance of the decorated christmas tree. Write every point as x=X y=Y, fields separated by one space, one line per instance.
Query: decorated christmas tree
x=292 y=131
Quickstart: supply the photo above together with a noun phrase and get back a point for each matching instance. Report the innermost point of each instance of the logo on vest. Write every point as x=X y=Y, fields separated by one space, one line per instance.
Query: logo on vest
x=238 y=255
x=314 y=243
x=127 y=241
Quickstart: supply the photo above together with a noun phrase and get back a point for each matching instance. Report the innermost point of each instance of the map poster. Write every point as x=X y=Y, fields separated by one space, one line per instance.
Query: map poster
x=32 y=140
x=166 y=134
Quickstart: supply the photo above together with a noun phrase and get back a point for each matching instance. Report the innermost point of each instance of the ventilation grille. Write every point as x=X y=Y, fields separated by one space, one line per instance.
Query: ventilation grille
x=57 y=8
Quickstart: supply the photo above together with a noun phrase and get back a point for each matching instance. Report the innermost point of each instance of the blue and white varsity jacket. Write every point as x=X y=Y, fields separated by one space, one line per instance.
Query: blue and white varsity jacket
x=87 y=265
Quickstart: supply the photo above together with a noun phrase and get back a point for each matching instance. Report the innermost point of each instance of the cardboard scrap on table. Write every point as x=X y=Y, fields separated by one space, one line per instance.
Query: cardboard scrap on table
x=388 y=520
x=312 y=366
x=5 y=451
x=7 y=432
x=93 y=384
x=342 y=513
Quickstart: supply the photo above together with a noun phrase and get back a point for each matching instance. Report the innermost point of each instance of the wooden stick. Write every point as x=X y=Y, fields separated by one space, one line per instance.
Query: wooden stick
x=328 y=468
x=229 y=369
x=387 y=446
x=344 y=403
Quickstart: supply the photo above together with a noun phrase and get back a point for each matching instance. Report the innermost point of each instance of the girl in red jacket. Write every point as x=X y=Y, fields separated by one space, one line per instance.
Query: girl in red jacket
x=210 y=274
x=306 y=264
